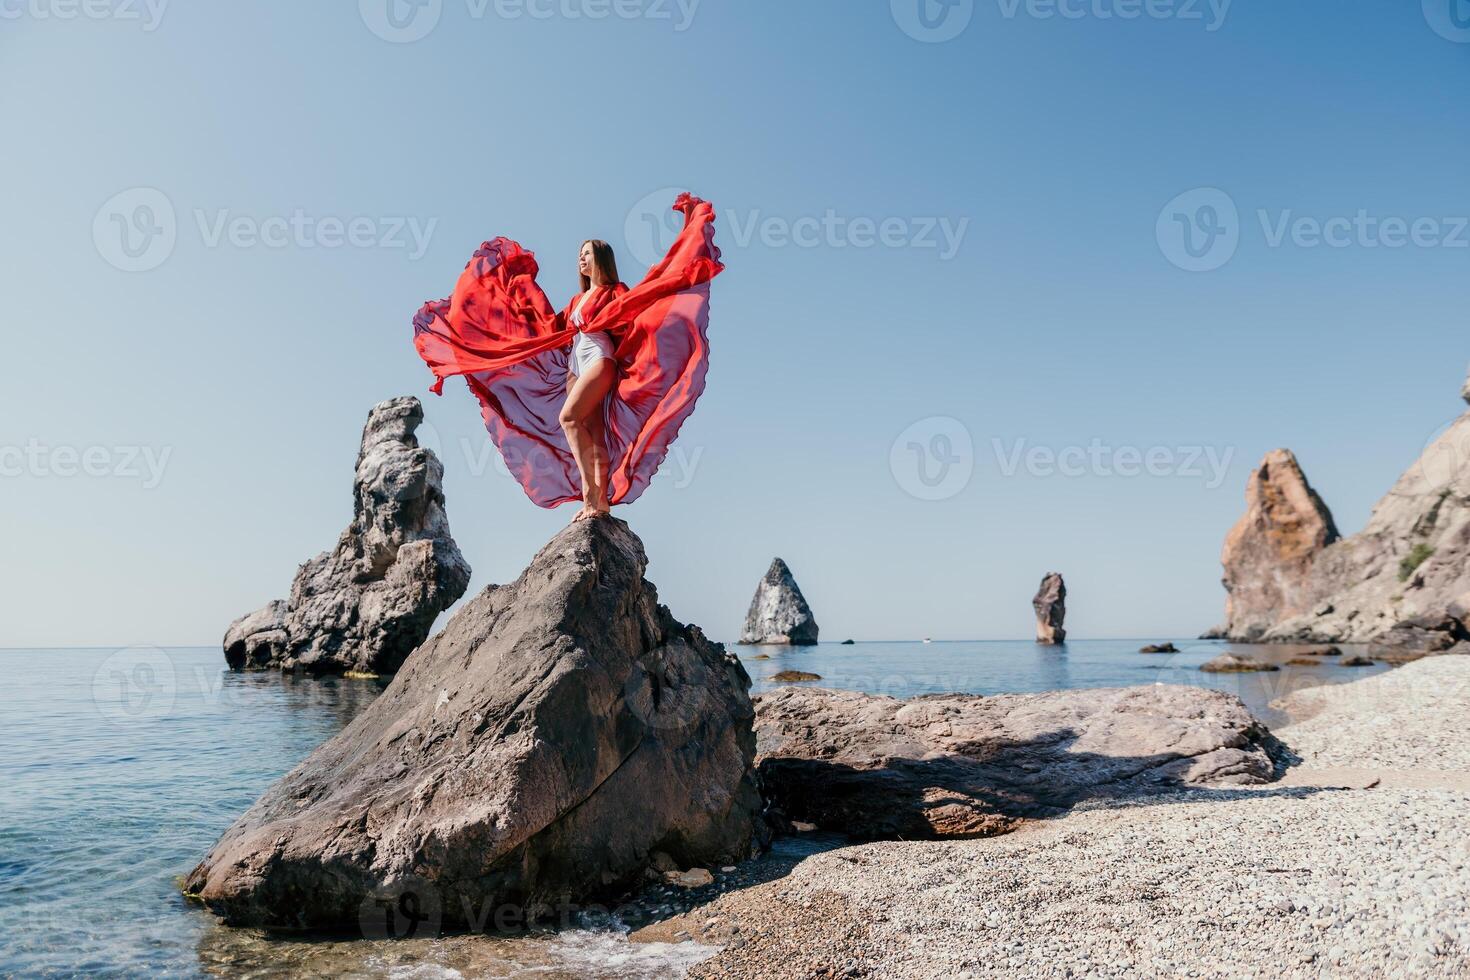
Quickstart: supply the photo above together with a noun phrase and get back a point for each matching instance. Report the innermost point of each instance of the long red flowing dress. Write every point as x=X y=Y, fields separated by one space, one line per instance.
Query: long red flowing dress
x=501 y=334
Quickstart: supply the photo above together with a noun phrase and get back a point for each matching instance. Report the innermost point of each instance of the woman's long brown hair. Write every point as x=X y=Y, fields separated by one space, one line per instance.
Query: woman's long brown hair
x=602 y=257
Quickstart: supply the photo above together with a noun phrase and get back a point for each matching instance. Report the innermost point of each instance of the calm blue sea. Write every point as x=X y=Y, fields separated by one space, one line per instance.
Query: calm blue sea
x=121 y=767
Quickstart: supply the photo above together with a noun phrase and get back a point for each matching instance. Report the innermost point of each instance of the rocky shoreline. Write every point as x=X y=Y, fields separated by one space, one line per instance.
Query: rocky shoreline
x=1295 y=878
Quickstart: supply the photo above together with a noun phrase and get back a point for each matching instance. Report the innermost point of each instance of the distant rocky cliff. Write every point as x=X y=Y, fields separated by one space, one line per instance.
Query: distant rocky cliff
x=367 y=603
x=1403 y=581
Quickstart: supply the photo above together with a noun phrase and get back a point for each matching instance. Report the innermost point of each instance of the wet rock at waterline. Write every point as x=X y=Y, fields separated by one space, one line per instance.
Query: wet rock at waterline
x=1050 y=605
x=1159 y=648
x=558 y=733
x=1421 y=637
x=365 y=605
x=1229 y=663
x=792 y=676
x=957 y=765
x=778 y=611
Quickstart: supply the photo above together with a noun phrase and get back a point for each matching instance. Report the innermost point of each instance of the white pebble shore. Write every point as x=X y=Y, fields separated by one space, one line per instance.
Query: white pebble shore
x=1272 y=881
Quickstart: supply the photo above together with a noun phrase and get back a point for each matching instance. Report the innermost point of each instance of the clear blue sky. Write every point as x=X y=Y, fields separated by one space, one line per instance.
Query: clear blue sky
x=1056 y=320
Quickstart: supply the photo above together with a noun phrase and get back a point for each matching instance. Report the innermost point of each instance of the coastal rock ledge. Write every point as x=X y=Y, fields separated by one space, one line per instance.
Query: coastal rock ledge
x=960 y=765
x=558 y=733
x=365 y=605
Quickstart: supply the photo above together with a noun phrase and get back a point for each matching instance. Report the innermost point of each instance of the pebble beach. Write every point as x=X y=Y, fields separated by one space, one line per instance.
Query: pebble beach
x=1354 y=865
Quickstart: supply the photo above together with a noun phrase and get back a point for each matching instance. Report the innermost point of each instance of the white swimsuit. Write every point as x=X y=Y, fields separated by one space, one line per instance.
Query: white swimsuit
x=588 y=348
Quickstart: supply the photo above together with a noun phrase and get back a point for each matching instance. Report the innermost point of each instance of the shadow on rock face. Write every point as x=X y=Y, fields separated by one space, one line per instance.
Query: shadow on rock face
x=956 y=766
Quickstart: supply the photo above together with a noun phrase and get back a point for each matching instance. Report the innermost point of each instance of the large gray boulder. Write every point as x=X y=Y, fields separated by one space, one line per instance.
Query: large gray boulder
x=541 y=749
x=1403 y=581
x=1050 y=606
x=778 y=611
x=963 y=765
x=365 y=605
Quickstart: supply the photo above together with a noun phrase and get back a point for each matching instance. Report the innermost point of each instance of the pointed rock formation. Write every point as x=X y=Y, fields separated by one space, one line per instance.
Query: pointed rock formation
x=1050 y=604
x=1403 y=582
x=967 y=765
x=365 y=605
x=778 y=611
x=541 y=749
x=1268 y=555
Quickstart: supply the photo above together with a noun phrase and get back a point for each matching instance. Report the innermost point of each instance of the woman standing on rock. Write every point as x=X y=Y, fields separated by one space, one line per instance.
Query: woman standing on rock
x=582 y=404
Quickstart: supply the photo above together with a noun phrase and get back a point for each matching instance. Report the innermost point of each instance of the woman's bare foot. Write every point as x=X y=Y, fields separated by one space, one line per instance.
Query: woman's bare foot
x=584 y=513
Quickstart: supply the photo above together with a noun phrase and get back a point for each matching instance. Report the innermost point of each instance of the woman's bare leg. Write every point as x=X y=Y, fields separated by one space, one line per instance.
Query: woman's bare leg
x=581 y=420
x=597 y=430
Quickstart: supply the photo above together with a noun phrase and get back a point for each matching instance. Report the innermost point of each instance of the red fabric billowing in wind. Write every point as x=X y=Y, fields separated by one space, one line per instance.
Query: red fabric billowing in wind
x=500 y=332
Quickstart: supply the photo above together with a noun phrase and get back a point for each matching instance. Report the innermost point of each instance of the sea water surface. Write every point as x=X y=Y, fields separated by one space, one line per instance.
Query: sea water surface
x=120 y=768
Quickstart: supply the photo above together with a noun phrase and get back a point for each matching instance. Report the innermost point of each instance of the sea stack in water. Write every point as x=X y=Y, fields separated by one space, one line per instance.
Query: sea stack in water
x=365 y=605
x=778 y=611
x=557 y=734
x=1051 y=609
x=1402 y=583
x=1268 y=555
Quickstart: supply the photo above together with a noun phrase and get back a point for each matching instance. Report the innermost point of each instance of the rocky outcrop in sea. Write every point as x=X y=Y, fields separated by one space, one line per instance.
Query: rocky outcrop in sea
x=778 y=611
x=365 y=605
x=963 y=765
x=1402 y=583
x=561 y=737
x=1050 y=605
